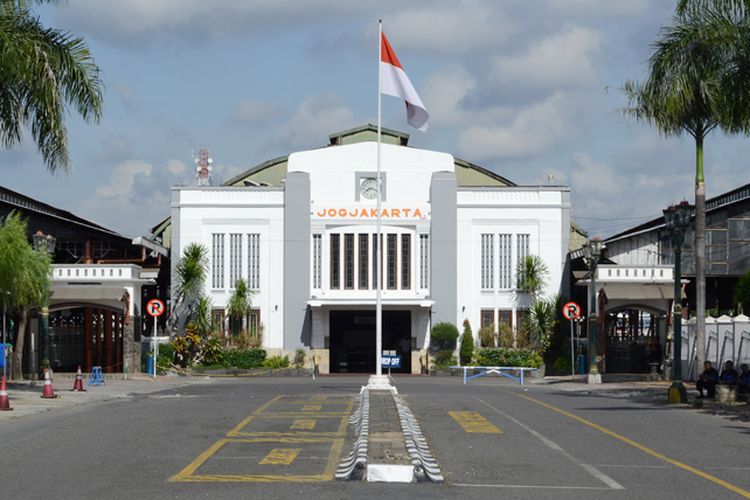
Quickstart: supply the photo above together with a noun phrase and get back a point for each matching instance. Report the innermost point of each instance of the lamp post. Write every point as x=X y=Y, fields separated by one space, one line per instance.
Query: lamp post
x=592 y=252
x=677 y=219
x=44 y=243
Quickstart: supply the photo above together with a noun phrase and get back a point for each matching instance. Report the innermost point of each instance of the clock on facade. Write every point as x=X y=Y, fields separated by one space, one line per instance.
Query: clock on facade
x=368 y=188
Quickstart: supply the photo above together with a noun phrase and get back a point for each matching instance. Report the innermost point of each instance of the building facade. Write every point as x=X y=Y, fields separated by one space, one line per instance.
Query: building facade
x=302 y=231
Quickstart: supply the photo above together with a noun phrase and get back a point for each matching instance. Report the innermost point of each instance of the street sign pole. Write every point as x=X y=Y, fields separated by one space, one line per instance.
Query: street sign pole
x=572 y=353
x=155 y=346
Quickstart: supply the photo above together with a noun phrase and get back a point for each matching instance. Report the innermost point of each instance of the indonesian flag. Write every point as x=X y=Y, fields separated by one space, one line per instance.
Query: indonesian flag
x=394 y=82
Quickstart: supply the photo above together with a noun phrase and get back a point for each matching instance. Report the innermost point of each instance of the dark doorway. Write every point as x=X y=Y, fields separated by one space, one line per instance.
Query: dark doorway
x=352 y=340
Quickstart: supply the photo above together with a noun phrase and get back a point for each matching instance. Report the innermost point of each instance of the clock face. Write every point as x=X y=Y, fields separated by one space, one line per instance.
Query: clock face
x=368 y=188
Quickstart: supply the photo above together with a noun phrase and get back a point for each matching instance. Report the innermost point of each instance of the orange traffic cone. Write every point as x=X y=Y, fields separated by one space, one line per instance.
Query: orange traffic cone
x=48 y=392
x=78 y=384
x=4 y=401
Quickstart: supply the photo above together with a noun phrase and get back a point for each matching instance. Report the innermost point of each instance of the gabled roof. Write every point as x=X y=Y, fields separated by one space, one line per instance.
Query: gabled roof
x=27 y=204
x=732 y=197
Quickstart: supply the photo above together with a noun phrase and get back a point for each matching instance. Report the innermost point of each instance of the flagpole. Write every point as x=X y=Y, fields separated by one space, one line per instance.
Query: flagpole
x=379 y=246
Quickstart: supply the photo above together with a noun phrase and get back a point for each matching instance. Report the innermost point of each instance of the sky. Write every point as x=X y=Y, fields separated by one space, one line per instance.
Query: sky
x=526 y=88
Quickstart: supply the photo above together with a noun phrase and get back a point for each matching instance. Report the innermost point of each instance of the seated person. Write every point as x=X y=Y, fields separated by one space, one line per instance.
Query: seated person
x=728 y=374
x=743 y=381
x=707 y=380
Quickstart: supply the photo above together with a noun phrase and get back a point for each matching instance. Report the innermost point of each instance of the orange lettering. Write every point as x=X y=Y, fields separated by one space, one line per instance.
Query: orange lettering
x=331 y=212
x=406 y=212
x=373 y=212
x=395 y=212
x=363 y=213
x=418 y=213
x=322 y=212
x=354 y=213
x=342 y=212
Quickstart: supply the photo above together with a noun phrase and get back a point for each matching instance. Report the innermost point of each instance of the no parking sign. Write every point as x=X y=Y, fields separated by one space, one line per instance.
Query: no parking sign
x=571 y=311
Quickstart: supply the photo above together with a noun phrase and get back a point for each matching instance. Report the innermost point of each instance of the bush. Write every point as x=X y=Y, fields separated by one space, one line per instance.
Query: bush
x=299 y=359
x=275 y=362
x=505 y=336
x=166 y=358
x=244 y=358
x=509 y=357
x=212 y=352
x=487 y=336
x=444 y=359
x=443 y=336
x=467 y=345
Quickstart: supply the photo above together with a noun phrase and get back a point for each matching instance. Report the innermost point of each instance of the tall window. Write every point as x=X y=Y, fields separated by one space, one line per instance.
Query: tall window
x=487 y=318
x=317 y=259
x=349 y=261
x=522 y=246
x=235 y=258
x=392 y=262
x=405 y=261
x=217 y=260
x=487 y=262
x=335 y=261
x=363 y=264
x=377 y=260
x=253 y=261
x=505 y=256
x=424 y=260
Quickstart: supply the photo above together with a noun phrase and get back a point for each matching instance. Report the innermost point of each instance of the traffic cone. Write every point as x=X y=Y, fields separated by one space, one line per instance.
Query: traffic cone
x=4 y=401
x=78 y=384
x=48 y=392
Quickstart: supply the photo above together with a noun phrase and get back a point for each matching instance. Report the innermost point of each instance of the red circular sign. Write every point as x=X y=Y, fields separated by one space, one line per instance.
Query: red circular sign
x=155 y=307
x=571 y=311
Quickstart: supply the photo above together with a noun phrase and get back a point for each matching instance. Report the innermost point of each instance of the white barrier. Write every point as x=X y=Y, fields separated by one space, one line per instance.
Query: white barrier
x=727 y=339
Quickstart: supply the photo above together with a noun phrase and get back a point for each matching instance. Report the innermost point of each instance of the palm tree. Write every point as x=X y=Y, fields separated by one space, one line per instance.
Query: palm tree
x=43 y=73
x=540 y=323
x=532 y=274
x=191 y=276
x=240 y=304
x=24 y=279
x=694 y=86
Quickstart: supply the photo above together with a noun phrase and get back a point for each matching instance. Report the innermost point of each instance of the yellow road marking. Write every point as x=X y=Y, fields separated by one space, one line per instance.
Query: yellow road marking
x=280 y=456
x=645 y=449
x=473 y=422
x=312 y=407
x=187 y=475
x=305 y=424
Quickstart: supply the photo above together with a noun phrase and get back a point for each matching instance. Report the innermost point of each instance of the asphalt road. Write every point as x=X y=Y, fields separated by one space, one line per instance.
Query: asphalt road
x=282 y=438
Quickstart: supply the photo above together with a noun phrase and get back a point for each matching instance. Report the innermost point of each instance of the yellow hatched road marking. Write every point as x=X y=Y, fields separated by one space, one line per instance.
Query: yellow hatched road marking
x=473 y=422
x=280 y=456
x=312 y=407
x=305 y=424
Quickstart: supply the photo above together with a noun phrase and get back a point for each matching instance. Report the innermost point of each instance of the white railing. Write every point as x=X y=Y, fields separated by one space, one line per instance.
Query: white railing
x=639 y=274
x=95 y=272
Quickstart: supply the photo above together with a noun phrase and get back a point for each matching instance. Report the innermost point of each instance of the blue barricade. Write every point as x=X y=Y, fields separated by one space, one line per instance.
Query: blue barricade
x=96 y=377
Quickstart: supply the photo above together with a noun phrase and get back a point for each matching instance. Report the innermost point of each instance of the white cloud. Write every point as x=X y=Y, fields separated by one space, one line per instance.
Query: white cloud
x=564 y=59
x=123 y=177
x=451 y=28
x=444 y=92
x=250 y=111
x=315 y=118
x=176 y=167
x=534 y=129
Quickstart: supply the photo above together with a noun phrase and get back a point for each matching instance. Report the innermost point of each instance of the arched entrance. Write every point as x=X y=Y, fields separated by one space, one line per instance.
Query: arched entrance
x=85 y=335
x=635 y=336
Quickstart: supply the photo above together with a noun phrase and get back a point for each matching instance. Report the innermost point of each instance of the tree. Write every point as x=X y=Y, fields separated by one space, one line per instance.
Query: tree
x=466 y=352
x=240 y=304
x=24 y=279
x=697 y=82
x=190 y=278
x=742 y=293
x=532 y=274
x=539 y=325
x=43 y=73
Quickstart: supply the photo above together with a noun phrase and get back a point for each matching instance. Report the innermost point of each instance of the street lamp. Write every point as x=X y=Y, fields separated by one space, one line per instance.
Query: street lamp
x=677 y=219
x=592 y=252
x=44 y=243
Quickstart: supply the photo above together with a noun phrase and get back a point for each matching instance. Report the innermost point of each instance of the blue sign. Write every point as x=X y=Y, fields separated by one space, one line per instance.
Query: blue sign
x=391 y=362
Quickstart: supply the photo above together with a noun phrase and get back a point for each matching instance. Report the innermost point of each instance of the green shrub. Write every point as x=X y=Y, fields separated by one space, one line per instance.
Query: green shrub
x=467 y=345
x=275 y=362
x=508 y=357
x=505 y=336
x=443 y=336
x=487 y=336
x=443 y=359
x=299 y=359
x=166 y=358
x=212 y=352
x=244 y=358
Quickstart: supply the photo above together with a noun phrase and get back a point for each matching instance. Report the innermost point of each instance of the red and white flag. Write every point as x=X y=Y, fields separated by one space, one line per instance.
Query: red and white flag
x=394 y=82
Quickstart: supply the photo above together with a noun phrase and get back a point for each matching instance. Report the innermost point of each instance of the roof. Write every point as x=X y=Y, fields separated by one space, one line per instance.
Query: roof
x=737 y=195
x=272 y=172
x=28 y=204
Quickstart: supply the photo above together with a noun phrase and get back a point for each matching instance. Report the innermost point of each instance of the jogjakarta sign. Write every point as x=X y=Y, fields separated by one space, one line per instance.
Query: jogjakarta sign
x=370 y=213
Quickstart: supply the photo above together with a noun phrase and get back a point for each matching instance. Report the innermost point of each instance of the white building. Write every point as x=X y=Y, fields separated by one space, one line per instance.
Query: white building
x=301 y=230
